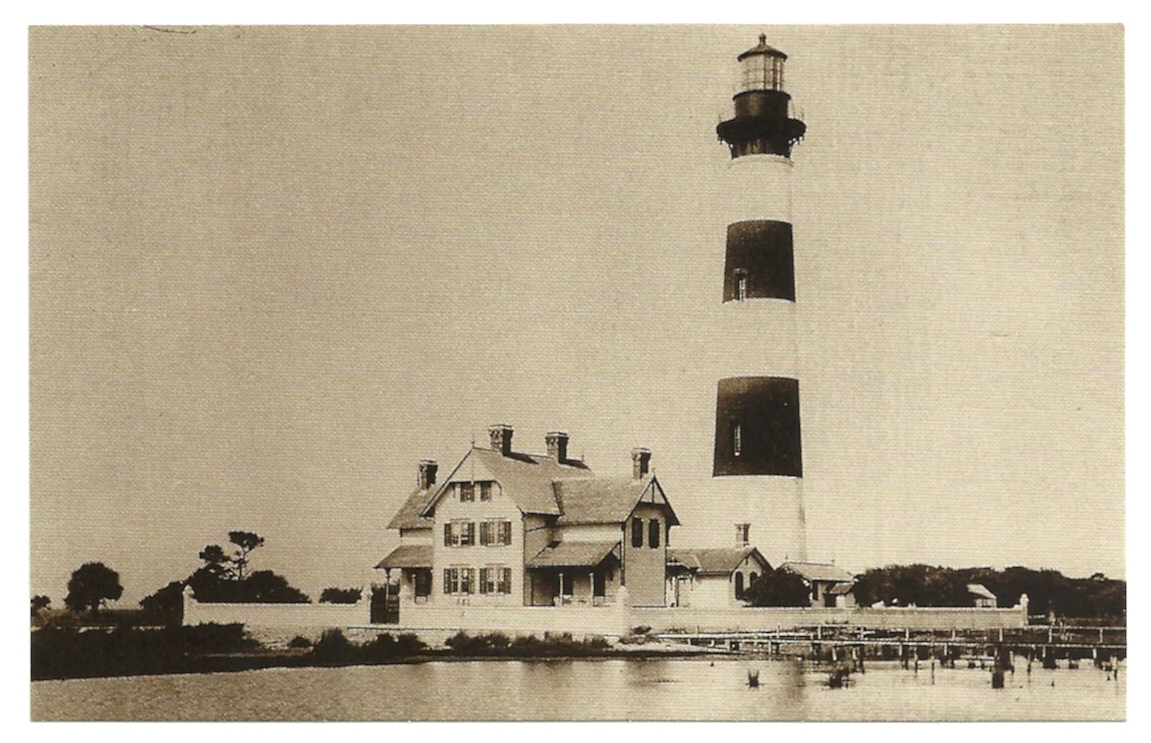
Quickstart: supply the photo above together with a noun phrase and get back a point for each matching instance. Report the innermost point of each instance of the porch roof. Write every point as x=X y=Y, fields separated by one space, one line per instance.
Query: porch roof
x=980 y=590
x=573 y=555
x=841 y=588
x=408 y=556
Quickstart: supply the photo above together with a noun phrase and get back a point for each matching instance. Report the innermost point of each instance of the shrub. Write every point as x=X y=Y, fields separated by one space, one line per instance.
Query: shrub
x=300 y=642
x=333 y=648
x=201 y=639
x=385 y=647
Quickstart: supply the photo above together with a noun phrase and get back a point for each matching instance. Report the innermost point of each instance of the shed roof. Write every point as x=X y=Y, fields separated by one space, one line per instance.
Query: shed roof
x=840 y=588
x=819 y=571
x=573 y=555
x=607 y=500
x=408 y=556
x=980 y=590
x=716 y=560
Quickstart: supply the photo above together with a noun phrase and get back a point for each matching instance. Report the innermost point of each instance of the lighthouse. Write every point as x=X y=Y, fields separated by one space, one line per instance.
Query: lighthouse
x=757 y=465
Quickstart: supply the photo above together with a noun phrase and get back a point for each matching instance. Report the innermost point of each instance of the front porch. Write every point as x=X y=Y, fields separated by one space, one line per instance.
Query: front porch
x=584 y=574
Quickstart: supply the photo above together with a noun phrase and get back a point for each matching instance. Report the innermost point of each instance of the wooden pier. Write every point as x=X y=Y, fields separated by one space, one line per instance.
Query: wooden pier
x=1046 y=643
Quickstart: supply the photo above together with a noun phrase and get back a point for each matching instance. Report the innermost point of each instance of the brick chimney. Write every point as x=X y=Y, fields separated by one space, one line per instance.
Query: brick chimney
x=640 y=462
x=742 y=535
x=557 y=443
x=427 y=476
x=501 y=434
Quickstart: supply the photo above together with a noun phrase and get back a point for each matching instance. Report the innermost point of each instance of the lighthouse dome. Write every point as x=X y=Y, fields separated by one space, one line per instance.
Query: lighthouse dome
x=762 y=49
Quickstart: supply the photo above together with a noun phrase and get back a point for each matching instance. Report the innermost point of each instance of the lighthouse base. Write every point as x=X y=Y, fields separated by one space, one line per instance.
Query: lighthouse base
x=773 y=505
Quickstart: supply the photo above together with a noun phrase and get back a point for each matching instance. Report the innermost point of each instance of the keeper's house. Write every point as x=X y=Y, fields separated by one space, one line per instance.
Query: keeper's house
x=506 y=528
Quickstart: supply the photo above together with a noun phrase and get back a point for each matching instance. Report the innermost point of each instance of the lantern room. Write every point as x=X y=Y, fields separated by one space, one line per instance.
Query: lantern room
x=761 y=68
x=762 y=124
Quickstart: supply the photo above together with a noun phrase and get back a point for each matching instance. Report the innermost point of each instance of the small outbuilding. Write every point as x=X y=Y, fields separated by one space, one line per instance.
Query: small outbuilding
x=715 y=578
x=980 y=597
x=831 y=586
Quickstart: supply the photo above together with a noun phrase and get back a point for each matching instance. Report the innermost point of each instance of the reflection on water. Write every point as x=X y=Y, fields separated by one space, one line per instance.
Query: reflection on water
x=658 y=689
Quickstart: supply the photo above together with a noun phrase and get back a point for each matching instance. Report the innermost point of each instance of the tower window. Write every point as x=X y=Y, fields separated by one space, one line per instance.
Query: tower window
x=740 y=293
x=737 y=439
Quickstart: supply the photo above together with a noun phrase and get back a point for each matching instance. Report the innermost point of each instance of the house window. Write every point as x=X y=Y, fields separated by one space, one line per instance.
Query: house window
x=752 y=579
x=739 y=585
x=737 y=439
x=740 y=285
x=485 y=491
x=467 y=491
x=653 y=529
x=458 y=580
x=496 y=579
x=459 y=534
x=637 y=532
x=495 y=533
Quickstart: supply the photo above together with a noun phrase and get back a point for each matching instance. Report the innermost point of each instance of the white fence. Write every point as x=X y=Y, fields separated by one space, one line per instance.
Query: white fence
x=609 y=621
x=278 y=616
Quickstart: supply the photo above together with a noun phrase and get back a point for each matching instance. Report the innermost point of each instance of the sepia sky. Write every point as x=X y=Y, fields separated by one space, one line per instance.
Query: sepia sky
x=273 y=267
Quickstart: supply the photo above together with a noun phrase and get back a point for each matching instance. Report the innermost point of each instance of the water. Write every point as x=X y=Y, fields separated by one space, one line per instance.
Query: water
x=658 y=689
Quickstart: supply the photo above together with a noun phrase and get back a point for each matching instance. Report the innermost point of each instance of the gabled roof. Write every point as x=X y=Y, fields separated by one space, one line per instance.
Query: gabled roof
x=408 y=517
x=716 y=560
x=573 y=555
x=525 y=478
x=408 y=556
x=980 y=590
x=820 y=571
x=607 y=500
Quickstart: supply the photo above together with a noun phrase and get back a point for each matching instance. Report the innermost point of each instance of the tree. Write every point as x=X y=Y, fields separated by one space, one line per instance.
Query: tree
x=40 y=602
x=166 y=605
x=266 y=587
x=245 y=542
x=91 y=585
x=779 y=587
x=340 y=595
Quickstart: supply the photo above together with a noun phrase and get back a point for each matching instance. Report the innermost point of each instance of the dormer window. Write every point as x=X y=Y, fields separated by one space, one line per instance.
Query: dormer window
x=467 y=491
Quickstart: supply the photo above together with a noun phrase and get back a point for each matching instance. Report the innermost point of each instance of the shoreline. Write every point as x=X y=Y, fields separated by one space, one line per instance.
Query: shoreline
x=237 y=662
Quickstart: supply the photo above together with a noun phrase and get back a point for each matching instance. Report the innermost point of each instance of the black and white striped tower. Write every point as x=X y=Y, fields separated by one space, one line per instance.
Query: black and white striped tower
x=758 y=458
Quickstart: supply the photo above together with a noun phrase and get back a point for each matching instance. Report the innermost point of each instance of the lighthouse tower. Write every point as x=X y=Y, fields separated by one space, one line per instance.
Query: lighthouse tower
x=758 y=461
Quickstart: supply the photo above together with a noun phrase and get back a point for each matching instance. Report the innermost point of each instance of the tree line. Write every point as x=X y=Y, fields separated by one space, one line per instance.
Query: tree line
x=225 y=577
x=1049 y=592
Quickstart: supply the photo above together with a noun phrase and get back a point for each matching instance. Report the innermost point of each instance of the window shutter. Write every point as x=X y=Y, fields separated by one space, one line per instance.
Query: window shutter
x=505 y=532
x=483 y=580
x=506 y=583
x=447 y=580
x=471 y=532
x=447 y=535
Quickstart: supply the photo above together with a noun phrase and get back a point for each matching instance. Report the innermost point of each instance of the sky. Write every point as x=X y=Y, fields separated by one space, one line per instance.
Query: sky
x=271 y=268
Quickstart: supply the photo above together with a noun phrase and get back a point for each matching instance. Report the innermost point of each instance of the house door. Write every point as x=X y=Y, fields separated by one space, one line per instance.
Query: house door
x=423 y=584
